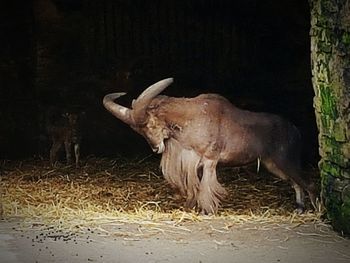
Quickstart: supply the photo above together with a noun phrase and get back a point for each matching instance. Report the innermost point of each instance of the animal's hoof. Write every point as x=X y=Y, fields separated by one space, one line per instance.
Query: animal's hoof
x=205 y=213
x=299 y=210
x=190 y=204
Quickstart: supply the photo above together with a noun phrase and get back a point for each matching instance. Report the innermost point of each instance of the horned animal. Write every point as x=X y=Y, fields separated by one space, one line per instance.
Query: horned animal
x=64 y=129
x=194 y=135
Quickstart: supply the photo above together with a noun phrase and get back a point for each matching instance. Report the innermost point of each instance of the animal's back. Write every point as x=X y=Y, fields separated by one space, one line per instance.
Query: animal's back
x=212 y=124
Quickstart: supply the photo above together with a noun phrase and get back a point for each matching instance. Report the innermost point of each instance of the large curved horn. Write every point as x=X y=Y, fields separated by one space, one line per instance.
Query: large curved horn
x=137 y=114
x=141 y=103
x=121 y=112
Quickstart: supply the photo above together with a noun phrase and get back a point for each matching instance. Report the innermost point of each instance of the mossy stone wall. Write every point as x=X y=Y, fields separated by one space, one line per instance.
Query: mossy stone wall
x=330 y=55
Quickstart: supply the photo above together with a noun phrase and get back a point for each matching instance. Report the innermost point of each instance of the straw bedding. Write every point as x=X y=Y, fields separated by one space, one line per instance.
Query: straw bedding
x=119 y=191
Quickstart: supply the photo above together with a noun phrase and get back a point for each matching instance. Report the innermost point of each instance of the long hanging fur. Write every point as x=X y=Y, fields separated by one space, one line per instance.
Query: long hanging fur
x=180 y=168
x=211 y=193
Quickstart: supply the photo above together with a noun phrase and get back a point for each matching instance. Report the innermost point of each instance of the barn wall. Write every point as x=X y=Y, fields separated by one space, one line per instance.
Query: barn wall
x=17 y=67
x=184 y=39
x=330 y=51
x=206 y=45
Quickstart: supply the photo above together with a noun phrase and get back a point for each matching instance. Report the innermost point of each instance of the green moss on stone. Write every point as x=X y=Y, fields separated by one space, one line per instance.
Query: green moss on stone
x=327 y=124
x=346 y=150
x=322 y=70
x=339 y=131
x=325 y=47
x=336 y=157
x=346 y=39
x=337 y=201
x=327 y=6
x=330 y=169
x=341 y=216
x=328 y=102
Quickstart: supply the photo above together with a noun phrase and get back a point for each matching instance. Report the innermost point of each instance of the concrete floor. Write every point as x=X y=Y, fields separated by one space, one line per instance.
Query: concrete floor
x=210 y=241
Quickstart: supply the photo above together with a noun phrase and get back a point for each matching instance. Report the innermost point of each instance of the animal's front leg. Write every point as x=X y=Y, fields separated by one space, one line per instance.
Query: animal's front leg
x=68 y=148
x=77 y=153
x=56 y=145
x=211 y=193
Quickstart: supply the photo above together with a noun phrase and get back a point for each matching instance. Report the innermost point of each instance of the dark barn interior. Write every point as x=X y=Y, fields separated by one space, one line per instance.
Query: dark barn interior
x=58 y=60
x=66 y=54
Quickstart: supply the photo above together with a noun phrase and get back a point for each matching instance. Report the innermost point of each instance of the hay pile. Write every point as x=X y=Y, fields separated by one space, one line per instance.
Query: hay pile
x=119 y=191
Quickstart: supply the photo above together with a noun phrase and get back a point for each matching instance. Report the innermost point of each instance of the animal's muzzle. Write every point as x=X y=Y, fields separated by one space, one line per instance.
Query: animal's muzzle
x=159 y=149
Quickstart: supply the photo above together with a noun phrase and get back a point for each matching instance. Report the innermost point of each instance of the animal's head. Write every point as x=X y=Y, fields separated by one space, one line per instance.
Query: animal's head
x=155 y=132
x=141 y=117
x=71 y=118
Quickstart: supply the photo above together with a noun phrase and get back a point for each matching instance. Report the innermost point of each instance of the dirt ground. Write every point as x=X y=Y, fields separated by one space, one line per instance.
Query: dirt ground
x=210 y=240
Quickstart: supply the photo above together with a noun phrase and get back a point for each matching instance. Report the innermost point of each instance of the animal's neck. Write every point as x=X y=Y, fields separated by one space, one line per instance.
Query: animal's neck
x=176 y=110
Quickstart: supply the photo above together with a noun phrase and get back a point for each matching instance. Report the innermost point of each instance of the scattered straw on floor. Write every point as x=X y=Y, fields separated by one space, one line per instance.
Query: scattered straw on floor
x=111 y=192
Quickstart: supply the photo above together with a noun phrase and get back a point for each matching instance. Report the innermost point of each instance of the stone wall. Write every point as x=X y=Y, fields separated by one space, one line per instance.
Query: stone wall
x=330 y=52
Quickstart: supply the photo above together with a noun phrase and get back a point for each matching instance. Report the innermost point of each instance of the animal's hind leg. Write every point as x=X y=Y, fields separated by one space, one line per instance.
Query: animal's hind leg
x=299 y=192
x=299 y=197
x=311 y=190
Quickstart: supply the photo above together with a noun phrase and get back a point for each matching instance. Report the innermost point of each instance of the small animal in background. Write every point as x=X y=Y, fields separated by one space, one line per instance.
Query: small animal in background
x=65 y=129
